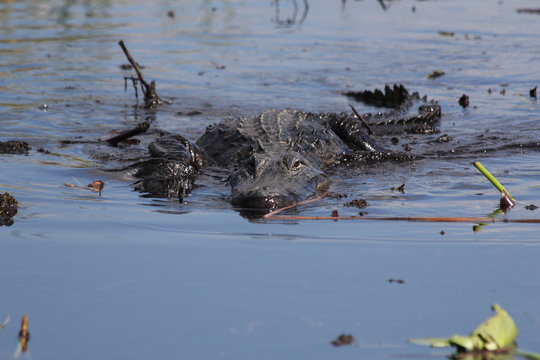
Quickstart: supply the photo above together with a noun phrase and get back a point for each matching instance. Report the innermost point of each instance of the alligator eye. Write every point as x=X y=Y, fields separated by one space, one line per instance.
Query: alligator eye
x=296 y=164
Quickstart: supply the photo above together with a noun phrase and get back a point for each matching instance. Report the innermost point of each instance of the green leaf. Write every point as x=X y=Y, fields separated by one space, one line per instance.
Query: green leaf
x=497 y=332
x=469 y=343
x=433 y=342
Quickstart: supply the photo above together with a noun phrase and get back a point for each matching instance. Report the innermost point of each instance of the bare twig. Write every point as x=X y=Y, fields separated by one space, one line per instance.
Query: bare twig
x=410 y=219
x=362 y=119
x=140 y=128
x=272 y=216
x=150 y=96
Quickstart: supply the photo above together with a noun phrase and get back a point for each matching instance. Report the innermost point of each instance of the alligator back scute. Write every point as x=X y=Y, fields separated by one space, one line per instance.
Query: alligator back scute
x=273 y=131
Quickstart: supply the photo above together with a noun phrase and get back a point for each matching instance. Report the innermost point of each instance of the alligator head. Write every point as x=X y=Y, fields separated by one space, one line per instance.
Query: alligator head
x=270 y=181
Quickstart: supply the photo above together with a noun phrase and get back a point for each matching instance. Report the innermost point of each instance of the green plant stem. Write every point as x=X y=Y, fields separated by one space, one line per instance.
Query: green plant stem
x=494 y=181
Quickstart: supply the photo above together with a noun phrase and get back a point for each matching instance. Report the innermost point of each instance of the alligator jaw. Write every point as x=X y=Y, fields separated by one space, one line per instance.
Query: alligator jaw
x=252 y=201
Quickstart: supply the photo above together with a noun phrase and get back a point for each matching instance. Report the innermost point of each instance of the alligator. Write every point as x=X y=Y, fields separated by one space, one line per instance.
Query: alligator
x=281 y=156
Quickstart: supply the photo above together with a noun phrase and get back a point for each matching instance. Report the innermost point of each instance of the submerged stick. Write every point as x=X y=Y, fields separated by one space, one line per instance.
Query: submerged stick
x=492 y=179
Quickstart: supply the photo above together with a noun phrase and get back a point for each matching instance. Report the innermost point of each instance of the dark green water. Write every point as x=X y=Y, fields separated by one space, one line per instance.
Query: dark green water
x=123 y=276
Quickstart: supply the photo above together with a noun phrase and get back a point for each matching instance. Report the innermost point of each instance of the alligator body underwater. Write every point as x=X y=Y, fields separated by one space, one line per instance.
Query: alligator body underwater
x=280 y=156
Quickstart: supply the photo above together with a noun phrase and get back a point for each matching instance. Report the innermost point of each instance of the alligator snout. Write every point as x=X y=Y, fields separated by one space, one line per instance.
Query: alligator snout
x=268 y=181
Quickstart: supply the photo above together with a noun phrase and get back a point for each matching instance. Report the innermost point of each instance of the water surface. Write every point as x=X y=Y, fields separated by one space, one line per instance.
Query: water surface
x=123 y=276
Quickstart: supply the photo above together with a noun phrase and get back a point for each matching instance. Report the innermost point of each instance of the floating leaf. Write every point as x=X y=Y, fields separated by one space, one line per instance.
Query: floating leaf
x=496 y=333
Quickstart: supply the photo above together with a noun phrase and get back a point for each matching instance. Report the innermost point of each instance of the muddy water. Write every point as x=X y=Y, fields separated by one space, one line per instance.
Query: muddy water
x=124 y=276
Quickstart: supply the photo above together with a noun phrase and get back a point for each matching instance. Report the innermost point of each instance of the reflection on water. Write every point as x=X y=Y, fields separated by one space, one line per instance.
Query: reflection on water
x=68 y=10
x=293 y=18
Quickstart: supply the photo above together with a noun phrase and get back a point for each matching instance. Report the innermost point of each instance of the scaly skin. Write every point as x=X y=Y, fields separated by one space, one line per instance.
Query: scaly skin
x=279 y=156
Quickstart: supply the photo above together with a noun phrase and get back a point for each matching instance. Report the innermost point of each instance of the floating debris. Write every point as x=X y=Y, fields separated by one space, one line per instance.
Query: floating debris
x=400 y=188
x=506 y=203
x=24 y=337
x=359 y=203
x=463 y=101
x=218 y=66
x=446 y=33
x=528 y=11
x=343 y=339
x=397 y=281
x=3 y=325
x=337 y=196
x=95 y=186
x=532 y=92
x=435 y=74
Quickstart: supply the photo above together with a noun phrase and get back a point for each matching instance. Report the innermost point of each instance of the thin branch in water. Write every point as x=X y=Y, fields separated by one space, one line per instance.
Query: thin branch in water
x=272 y=215
x=362 y=119
x=140 y=128
x=277 y=211
x=149 y=90
x=408 y=219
